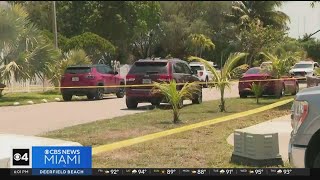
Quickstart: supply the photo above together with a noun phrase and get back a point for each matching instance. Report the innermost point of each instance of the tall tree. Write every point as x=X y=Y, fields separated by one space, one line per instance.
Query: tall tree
x=264 y=12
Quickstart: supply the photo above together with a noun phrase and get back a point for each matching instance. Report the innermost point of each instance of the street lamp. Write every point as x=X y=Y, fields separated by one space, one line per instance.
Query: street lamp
x=55 y=25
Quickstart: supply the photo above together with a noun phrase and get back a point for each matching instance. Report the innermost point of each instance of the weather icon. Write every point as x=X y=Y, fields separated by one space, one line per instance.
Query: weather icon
x=222 y=171
x=279 y=171
x=134 y=171
x=251 y=171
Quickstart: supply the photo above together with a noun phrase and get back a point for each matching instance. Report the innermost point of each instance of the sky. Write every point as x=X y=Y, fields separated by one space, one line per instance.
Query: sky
x=304 y=18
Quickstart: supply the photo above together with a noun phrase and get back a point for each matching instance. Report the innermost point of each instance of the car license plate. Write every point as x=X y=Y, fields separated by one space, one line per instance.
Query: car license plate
x=75 y=78
x=146 y=81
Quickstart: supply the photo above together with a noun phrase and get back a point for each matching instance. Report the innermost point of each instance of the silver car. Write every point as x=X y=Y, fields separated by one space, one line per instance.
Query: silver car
x=304 y=146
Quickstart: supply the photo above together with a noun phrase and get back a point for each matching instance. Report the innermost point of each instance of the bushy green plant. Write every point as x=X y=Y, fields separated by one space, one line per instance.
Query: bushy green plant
x=174 y=96
x=257 y=89
x=94 y=45
x=221 y=79
x=317 y=71
x=237 y=72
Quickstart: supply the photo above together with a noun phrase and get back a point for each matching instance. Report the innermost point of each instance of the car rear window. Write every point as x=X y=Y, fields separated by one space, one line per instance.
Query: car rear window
x=149 y=67
x=78 y=70
x=254 y=71
x=196 y=68
x=297 y=66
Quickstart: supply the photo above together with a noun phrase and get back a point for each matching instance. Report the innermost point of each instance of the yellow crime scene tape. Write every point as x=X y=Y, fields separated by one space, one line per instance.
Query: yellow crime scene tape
x=141 y=139
x=144 y=85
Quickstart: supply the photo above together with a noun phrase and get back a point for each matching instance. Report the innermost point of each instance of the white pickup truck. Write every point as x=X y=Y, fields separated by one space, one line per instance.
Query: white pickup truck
x=202 y=72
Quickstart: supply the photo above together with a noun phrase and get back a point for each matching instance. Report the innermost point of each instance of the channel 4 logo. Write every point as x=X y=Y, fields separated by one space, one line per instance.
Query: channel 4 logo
x=62 y=157
x=20 y=157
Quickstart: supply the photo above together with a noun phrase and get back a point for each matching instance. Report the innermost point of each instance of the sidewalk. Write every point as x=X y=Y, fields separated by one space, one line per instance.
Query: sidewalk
x=281 y=125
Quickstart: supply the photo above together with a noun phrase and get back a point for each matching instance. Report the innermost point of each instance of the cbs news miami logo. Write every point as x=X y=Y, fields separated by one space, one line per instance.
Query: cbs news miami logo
x=52 y=157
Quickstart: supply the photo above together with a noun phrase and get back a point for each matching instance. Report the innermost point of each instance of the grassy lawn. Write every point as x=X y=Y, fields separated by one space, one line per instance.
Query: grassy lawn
x=9 y=98
x=206 y=148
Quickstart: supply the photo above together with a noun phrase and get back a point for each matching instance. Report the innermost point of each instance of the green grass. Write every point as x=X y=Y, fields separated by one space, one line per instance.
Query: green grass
x=202 y=147
x=9 y=98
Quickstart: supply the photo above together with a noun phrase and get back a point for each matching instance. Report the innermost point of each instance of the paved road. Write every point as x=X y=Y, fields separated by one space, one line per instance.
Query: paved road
x=40 y=118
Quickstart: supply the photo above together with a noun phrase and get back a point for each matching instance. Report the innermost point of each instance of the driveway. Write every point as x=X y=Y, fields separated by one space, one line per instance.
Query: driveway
x=40 y=118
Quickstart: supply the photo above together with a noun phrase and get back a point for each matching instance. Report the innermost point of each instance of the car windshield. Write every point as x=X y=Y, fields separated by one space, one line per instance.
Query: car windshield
x=254 y=71
x=298 y=66
x=196 y=68
x=78 y=70
x=148 y=67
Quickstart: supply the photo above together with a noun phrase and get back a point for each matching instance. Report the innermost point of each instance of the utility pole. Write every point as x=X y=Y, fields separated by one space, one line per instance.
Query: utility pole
x=55 y=25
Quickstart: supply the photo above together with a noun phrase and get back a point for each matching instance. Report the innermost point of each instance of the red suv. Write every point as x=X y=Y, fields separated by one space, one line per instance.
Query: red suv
x=90 y=75
x=147 y=71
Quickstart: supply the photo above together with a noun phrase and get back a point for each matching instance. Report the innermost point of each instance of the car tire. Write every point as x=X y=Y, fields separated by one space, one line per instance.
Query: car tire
x=67 y=97
x=99 y=94
x=243 y=96
x=281 y=93
x=90 y=96
x=316 y=163
x=197 y=99
x=120 y=93
x=296 y=90
x=180 y=104
x=156 y=103
x=205 y=85
x=131 y=104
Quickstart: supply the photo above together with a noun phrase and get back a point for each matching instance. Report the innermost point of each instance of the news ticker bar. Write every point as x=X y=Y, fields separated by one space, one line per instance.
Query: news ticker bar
x=163 y=172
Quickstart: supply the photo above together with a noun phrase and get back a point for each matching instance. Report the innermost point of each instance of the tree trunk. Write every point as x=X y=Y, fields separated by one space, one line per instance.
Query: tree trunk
x=257 y=99
x=175 y=116
x=222 y=102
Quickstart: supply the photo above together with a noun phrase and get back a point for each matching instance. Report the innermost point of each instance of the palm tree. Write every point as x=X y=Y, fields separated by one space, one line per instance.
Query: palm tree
x=263 y=12
x=72 y=57
x=222 y=80
x=24 y=50
x=174 y=96
x=201 y=42
x=257 y=89
x=281 y=64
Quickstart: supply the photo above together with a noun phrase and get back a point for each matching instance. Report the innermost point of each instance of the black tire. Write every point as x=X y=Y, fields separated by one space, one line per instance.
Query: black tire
x=131 y=104
x=99 y=94
x=180 y=105
x=296 y=90
x=120 y=93
x=90 y=96
x=206 y=83
x=316 y=163
x=197 y=99
x=281 y=92
x=156 y=103
x=243 y=96
x=67 y=97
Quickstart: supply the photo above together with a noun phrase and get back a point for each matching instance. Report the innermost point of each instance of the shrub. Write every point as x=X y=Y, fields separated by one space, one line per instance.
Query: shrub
x=94 y=45
x=237 y=72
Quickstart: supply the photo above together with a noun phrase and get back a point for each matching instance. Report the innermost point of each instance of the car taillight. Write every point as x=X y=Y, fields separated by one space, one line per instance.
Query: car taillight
x=90 y=76
x=164 y=77
x=130 y=78
x=299 y=114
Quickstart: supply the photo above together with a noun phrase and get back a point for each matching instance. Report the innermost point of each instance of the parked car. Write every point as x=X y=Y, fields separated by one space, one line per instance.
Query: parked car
x=2 y=86
x=91 y=75
x=303 y=69
x=265 y=64
x=157 y=70
x=202 y=72
x=304 y=148
x=273 y=87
